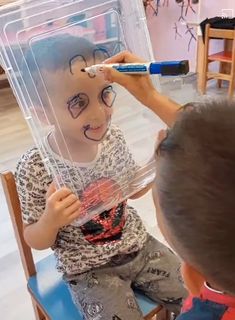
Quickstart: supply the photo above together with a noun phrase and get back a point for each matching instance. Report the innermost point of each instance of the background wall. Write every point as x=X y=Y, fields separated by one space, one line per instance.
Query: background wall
x=212 y=8
x=169 y=46
x=166 y=44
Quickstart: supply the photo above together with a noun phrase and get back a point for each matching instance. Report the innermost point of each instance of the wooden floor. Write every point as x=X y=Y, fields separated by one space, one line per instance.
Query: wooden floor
x=14 y=133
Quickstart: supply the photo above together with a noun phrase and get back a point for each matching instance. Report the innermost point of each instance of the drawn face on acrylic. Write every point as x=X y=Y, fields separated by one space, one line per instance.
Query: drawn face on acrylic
x=83 y=102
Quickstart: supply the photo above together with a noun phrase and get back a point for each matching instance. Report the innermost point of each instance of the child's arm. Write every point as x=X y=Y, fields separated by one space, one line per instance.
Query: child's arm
x=40 y=236
x=62 y=208
x=142 y=88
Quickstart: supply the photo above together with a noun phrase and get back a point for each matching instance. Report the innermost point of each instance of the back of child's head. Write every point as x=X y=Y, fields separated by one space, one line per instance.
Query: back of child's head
x=196 y=189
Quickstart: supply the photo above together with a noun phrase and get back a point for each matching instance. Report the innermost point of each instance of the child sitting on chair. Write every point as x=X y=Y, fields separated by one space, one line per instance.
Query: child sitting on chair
x=107 y=257
x=195 y=188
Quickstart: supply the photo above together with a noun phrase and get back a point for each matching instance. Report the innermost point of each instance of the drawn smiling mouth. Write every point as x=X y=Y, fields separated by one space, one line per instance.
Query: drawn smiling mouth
x=89 y=131
x=97 y=128
x=94 y=128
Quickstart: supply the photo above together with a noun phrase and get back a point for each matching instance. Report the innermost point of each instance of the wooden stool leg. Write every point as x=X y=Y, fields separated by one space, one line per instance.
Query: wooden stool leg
x=231 y=87
x=164 y=314
x=232 y=81
x=38 y=313
x=204 y=75
x=221 y=70
x=205 y=59
x=204 y=81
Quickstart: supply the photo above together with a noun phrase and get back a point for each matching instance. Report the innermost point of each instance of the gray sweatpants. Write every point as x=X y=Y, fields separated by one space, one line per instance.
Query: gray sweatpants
x=106 y=293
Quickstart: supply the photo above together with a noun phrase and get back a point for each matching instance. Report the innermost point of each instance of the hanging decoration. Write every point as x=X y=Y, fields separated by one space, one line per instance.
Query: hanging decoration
x=189 y=6
x=181 y=18
x=153 y=5
x=176 y=31
x=184 y=5
x=165 y=3
x=192 y=36
x=193 y=1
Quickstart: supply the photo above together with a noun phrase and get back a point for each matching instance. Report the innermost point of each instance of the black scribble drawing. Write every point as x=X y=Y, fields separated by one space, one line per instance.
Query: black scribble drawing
x=185 y=6
x=189 y=6
x=165 y=3
x=150 y=4
x=182 y=6
x=192 y=36
x=176 y=31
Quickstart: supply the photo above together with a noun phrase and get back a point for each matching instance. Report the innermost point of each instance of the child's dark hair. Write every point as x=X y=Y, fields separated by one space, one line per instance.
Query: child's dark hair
x=55 y=52
x=196 y=183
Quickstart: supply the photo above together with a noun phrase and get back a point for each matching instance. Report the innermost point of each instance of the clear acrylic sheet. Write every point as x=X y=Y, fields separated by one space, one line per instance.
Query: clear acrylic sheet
x=106 y=25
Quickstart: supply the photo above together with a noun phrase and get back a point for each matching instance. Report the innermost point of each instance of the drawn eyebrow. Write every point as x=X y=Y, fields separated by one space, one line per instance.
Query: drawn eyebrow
x=73 y=59
x=100 y=53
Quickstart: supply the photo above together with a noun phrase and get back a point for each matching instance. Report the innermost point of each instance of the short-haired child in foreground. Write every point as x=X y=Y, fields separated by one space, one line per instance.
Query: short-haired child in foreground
x=109 y=256
x=195 y=189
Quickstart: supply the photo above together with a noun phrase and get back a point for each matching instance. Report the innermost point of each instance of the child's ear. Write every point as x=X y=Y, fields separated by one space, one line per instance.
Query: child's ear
x=193 y=279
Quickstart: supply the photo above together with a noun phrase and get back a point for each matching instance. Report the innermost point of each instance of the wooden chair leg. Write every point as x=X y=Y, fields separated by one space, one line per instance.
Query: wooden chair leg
x=221 y=70
x=39 y=315
x=164 y=314
x=204 y=82
x=231 y=87
x=153 y=314
x=219 y=83
x=204 y=73
x=232 y=81
x=205 y=60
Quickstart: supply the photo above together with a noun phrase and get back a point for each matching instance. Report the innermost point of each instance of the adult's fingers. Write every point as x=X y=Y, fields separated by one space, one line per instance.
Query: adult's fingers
x=112 y=75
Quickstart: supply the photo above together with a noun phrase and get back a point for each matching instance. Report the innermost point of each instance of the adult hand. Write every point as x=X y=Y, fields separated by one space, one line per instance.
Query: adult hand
x=139 y=86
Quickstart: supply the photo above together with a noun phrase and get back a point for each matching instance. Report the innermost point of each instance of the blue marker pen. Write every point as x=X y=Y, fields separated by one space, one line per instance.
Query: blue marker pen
x=166 y=68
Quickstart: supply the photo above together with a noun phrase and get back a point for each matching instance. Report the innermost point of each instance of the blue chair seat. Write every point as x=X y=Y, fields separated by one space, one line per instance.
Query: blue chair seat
x=52 y=293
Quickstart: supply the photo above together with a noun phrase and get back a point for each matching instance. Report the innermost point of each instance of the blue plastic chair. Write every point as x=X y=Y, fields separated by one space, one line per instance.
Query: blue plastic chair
x=50 y=295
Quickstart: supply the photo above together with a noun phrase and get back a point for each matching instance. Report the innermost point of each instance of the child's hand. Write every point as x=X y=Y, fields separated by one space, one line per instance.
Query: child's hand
x=138 y=85
x=62 y=207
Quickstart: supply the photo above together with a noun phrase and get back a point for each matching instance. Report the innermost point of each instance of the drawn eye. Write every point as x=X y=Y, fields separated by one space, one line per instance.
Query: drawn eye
x=82 y=103
x=108 y=96
x=78 y=104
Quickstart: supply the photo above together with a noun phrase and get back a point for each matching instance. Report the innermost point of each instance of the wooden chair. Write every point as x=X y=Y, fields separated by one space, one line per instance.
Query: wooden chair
x=225 y=58
x=3 y=79
x=49 y=293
